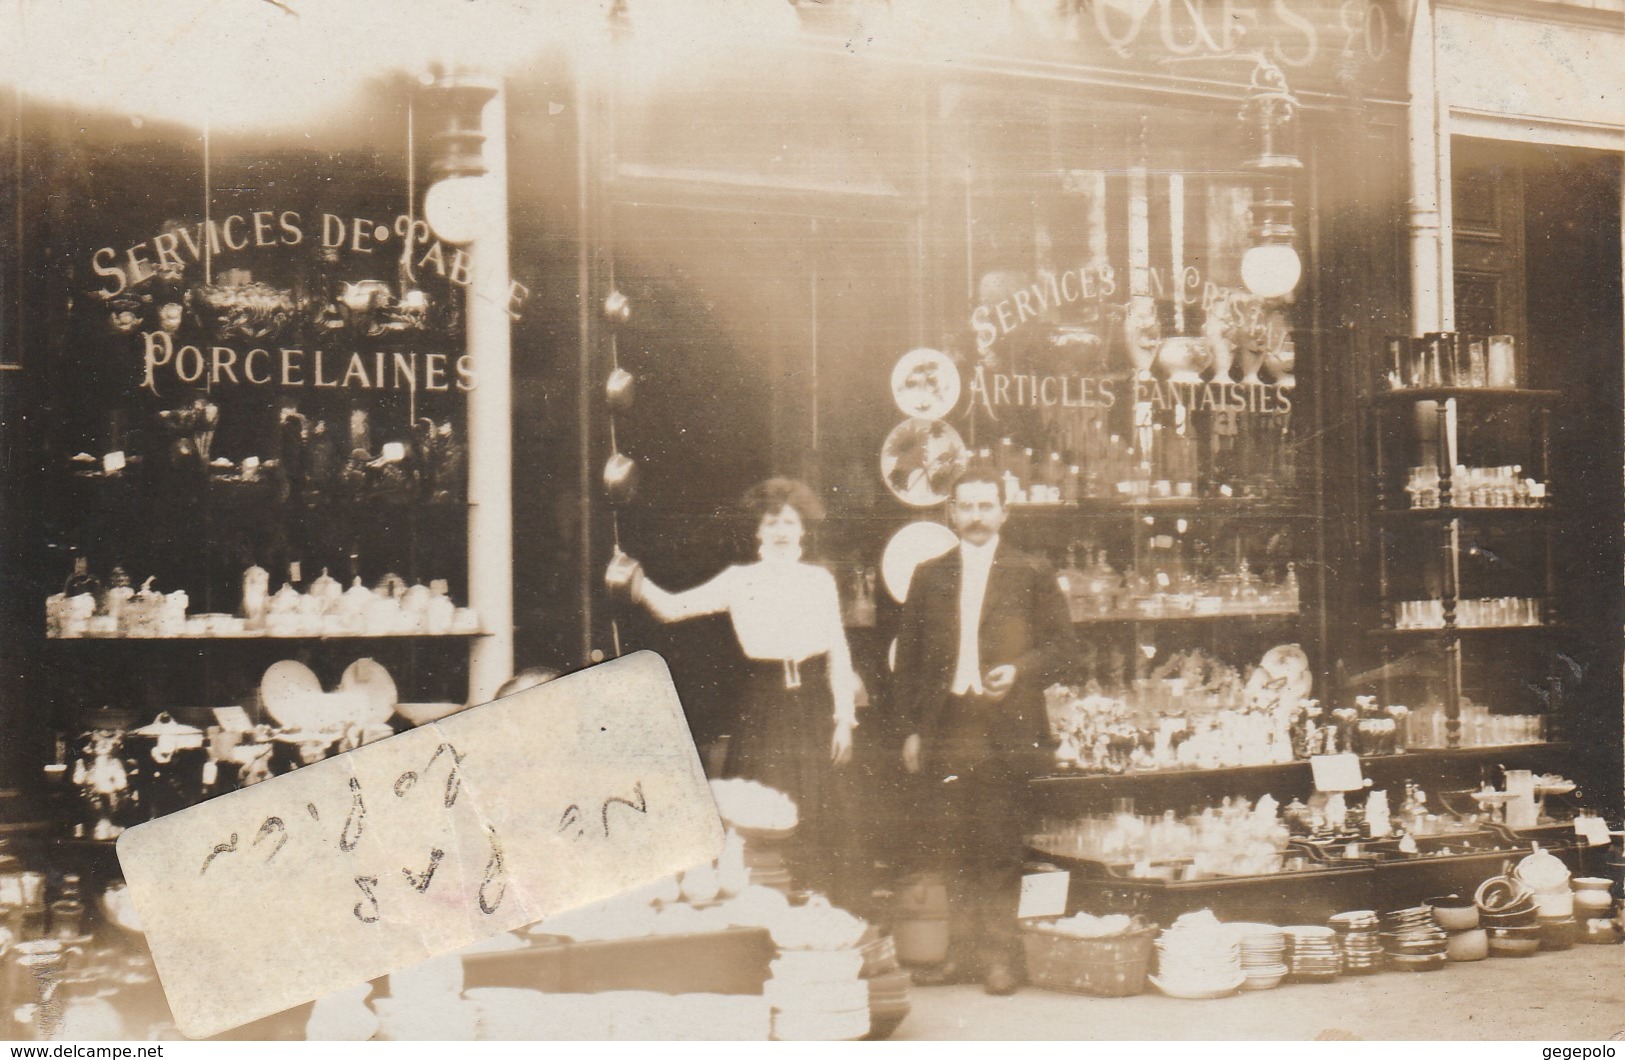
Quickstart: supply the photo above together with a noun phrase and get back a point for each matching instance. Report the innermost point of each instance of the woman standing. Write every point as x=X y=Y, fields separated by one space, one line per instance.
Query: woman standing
x=798 y=705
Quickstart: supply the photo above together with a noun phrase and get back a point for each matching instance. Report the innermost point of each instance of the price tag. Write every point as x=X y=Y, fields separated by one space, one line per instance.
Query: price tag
x=1337 y=772
x=1043 y=894
x=1593 y=829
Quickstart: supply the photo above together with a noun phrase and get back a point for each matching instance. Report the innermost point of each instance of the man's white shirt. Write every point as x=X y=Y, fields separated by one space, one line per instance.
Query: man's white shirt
x=976 y=562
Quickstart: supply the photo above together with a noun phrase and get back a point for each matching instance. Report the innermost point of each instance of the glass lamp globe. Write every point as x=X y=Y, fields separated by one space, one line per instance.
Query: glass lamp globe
x=453 y=208
x=1271 y=270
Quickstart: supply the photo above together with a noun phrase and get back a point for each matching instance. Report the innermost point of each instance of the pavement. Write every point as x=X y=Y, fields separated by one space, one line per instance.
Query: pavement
x=1574 y=995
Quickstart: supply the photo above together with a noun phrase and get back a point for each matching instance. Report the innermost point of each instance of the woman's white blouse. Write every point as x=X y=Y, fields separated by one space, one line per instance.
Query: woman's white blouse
x=780 y=610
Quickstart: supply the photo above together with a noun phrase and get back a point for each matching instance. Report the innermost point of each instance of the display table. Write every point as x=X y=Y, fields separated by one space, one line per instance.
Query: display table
x=1328 y=882
x=734 y=961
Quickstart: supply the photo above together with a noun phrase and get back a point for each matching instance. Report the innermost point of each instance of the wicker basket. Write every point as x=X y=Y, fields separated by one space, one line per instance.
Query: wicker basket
x=1104 y=967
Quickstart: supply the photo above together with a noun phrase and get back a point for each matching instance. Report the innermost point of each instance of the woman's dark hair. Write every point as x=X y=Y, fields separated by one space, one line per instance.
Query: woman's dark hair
x=776 y=494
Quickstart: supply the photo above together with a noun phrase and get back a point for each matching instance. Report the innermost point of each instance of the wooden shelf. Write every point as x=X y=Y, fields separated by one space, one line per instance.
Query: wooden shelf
x=1468 y=393
x=128 y=494
x=1215 y=507
x=1441 y=631
x=1420 y=757
x=1456 y=512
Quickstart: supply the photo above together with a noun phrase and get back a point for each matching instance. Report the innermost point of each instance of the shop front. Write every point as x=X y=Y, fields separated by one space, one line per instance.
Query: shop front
x=1168 y=288
x=312 y=456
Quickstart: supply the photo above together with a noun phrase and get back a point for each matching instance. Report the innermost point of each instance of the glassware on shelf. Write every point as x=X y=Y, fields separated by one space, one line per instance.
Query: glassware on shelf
x=1234 y=838
x=68 y=911
x=1422 y=486
x=1494 y=612
x=1476 y=487
x=1104 y=584
x=1501 y=356
x=1428 y=727
x=1477 y=361
x=1074 y=586
x=1445 y=358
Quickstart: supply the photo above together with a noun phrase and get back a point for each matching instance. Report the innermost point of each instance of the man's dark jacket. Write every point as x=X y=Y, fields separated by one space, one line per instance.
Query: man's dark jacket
x=1025 y=623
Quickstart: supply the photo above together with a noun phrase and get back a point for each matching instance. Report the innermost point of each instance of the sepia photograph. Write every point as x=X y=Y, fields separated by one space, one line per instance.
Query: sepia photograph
x=812 y=520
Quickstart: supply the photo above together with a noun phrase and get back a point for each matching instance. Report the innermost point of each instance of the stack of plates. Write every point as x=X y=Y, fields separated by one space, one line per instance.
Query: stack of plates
x=1263 y=955
x=1413 y=939
x=888 y=1002
x=879 y=954
x=765 y=861
x=1312 y=955
x=816 y=995
x=642 y=1016
x=823 y=1025
x=778 y=879
x=1359 y=942
x=1198 y=958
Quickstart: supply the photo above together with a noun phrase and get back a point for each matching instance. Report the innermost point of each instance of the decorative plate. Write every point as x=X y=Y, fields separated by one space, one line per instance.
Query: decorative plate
x=925 y=384
x=907 y=549
x=373 y=681
x=920 y=460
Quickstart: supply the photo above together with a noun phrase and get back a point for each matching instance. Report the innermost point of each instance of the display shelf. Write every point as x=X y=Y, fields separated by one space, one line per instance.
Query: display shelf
x=85 y=842
x=1421 y=757
x=1456 y=631
x=1201 y=507
x=130 y=495
x=1469 y=393
x=1445 y=514
x=1125 y=618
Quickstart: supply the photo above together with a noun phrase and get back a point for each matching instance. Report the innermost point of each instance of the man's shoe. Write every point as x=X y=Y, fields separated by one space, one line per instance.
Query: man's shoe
x=1001 y=981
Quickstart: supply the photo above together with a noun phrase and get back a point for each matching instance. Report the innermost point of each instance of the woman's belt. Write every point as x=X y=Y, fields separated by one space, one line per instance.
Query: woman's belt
x=792 y=667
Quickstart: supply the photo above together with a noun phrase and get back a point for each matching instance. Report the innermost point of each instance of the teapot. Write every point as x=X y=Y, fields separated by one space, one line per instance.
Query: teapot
x=326 y=588
x=1543 y=873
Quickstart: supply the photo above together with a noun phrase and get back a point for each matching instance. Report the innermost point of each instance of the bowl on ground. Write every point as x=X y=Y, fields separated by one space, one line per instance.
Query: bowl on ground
x=1454 y=913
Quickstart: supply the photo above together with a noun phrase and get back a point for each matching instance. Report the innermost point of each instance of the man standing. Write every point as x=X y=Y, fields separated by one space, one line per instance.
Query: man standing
x=984 y=632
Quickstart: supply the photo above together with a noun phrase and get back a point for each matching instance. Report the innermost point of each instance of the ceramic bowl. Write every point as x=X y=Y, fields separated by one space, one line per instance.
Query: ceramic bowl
x=1513 y=947
x=1354 y=920
x=1524 y=918
x=1592 y=883
x=1471 y=945
x=1502 y=894
x=1453 y=913
x=1560 y=904
x=1417 y=963
x=1559 y=934
x=1516 y=934
x=1601 y=931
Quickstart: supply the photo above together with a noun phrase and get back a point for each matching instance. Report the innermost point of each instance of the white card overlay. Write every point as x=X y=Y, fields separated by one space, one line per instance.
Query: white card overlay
x=420 y=844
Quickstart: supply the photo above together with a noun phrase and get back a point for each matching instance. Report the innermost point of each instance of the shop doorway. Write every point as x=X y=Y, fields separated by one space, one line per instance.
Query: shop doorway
x=1537 y=256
